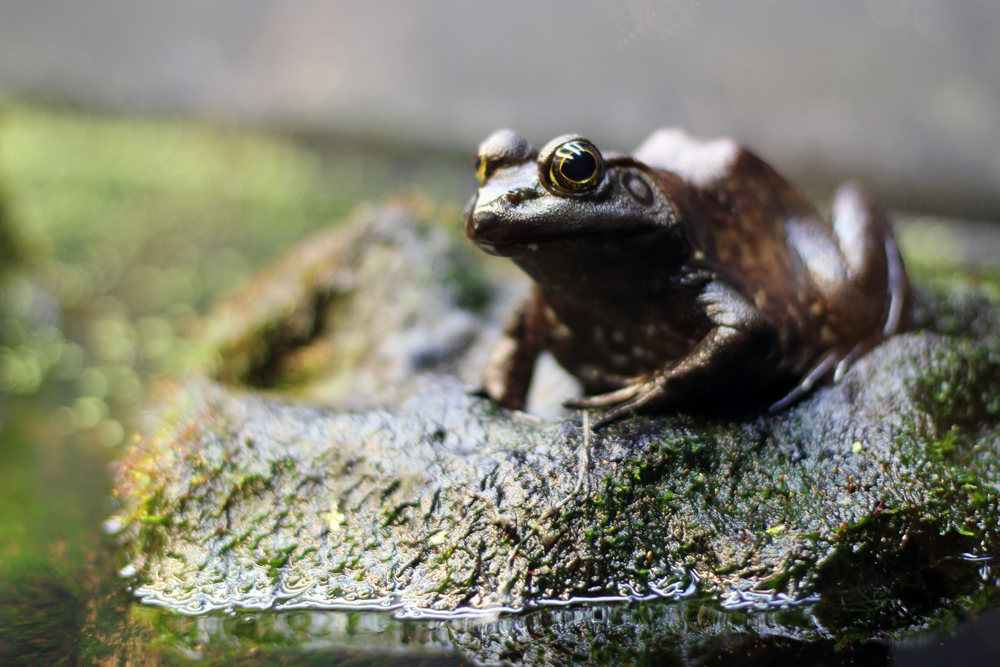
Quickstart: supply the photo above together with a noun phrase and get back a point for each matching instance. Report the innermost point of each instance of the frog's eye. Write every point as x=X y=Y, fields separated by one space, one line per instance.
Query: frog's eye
x=503 y=148
x=480 y=166
x=576 y=166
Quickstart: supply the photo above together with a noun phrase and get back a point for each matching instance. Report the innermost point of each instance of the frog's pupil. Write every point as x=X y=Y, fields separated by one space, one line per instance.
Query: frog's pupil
x=579 y=167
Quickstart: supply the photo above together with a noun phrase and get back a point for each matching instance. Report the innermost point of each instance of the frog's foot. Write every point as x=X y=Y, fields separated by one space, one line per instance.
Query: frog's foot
x=860 y=350
x=642 y=390
x=604 y=400
x=837 y=360
x=477 y=390
x=826 y=363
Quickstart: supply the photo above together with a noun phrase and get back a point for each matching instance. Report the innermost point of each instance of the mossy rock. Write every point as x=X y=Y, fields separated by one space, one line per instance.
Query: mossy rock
x=868 y=510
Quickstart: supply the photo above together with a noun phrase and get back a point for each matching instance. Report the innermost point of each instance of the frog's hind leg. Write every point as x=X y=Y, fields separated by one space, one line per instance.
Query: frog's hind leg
x=899 y=289
x=873 y=274
x=875 y=269
x=894 y=320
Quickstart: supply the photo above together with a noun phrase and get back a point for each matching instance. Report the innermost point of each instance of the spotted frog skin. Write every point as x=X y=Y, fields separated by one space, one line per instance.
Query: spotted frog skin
x=685 y=273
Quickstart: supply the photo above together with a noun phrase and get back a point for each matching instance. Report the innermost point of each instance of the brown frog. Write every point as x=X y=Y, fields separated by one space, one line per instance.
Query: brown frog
x=689 y=271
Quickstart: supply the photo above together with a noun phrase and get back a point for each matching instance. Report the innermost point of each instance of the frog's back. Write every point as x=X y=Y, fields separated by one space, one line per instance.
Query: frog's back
x=736 y=223
x=739 y=210
x=759 y=232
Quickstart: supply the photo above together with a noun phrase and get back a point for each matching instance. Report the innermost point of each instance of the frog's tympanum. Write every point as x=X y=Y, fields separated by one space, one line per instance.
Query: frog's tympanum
x=688 y=272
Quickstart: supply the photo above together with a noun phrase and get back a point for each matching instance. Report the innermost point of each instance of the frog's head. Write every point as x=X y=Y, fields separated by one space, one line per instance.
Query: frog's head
x=568 y=192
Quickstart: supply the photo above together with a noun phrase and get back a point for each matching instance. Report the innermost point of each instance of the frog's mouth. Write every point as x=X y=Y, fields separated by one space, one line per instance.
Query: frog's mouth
x=497 y=236
x=513 y=247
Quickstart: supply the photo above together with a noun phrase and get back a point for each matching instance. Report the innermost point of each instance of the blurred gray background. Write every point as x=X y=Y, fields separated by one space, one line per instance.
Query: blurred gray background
x=901 y=93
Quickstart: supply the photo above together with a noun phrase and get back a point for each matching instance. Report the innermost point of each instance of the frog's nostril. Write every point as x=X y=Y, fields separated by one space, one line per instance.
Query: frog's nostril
x=480 y=223
x=515 y=197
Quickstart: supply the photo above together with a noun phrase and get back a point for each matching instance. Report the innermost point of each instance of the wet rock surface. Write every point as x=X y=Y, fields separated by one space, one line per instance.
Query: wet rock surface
x=869 y=509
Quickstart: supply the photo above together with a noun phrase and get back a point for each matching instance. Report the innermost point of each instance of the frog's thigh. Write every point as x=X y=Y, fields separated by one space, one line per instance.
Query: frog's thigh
x=870 y=251
x=861 y=229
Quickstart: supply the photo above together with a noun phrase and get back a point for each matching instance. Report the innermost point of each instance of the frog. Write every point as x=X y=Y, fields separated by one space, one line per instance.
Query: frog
x=688 y=273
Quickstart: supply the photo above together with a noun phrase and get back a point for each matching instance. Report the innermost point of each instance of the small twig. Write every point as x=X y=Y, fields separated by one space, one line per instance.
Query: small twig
x=507 y=579
x=584 y=463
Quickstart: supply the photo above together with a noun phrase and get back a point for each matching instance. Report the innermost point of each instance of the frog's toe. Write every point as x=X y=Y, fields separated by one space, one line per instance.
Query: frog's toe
x=835 y=363
x=477 y=390
x=860 y=350
x=648 y=393
x=640 y=393
x=604 y=400
x=622 y=381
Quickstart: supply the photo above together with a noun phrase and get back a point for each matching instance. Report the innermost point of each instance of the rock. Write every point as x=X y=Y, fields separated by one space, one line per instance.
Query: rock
x=353 y=314
x=869 y=509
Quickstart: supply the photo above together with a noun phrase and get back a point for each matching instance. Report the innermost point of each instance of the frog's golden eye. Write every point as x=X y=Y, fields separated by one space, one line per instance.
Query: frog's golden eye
x=480 y=166
x=576 y=166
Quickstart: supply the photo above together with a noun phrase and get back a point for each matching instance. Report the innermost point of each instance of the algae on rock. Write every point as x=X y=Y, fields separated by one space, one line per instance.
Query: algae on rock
x=868 y=509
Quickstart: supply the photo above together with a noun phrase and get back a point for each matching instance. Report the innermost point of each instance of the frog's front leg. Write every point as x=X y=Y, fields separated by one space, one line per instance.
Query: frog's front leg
x=512 y=362
x=741 y=341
